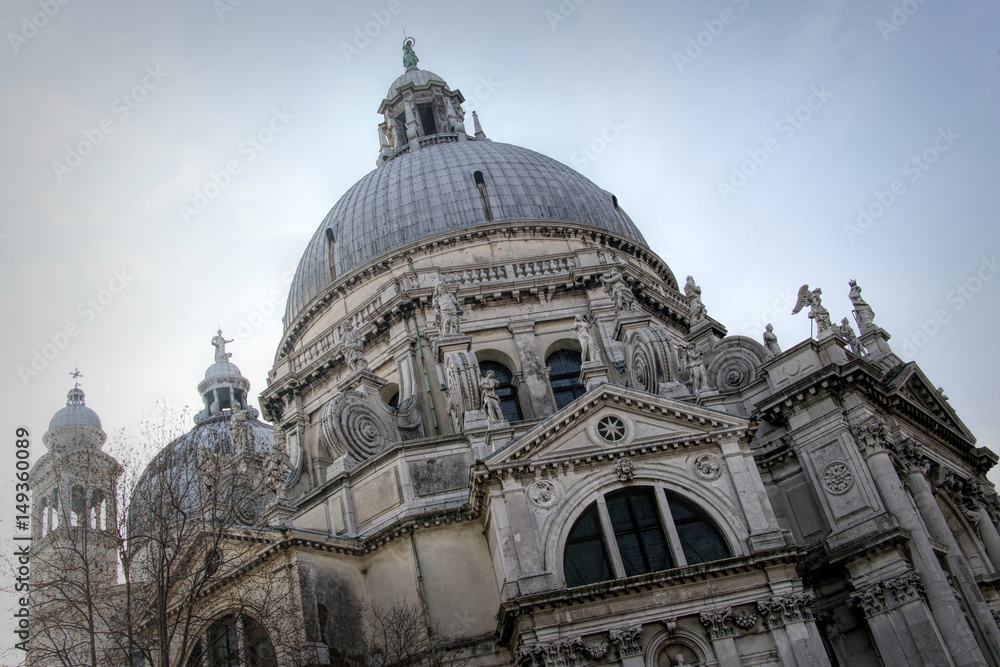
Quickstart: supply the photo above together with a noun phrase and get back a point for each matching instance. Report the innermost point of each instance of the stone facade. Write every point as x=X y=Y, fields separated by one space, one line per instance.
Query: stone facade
x=673 y=495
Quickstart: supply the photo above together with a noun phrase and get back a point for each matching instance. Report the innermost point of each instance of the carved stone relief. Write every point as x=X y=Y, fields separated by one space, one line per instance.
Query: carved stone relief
x=707 y=466
x=838 y=478
x=543 y=493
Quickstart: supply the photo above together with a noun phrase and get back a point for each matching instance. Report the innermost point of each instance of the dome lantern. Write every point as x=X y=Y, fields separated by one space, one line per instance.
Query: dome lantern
x=224 y=387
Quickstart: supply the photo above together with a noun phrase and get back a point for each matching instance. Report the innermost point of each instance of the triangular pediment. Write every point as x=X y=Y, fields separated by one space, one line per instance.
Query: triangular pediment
x=610 y=419
x=913 y=386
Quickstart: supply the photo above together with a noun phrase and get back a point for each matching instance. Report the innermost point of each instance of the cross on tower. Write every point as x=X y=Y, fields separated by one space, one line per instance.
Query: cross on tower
x=76 y=375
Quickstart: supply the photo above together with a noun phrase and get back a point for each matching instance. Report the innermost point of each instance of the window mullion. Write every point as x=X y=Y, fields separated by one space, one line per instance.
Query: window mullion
x=667 y=520
x=610 y=541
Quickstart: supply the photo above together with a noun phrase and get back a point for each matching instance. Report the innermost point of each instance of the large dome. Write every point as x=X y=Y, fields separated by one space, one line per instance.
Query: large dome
x=415 y=195
x=76 y=412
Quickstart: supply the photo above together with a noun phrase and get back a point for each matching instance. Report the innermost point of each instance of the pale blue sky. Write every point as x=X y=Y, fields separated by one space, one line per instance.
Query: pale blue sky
x=679 y=121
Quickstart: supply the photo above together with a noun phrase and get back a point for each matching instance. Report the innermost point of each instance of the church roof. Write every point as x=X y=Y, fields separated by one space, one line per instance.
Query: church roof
x=418 y=194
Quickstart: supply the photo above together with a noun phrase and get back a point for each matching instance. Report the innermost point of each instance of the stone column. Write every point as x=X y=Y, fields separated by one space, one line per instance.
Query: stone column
x=764 y=530
x=979 y=612
x=903 y=636
x=947 y=612
x=795 y=636
x=721 y=634
x=536 y=379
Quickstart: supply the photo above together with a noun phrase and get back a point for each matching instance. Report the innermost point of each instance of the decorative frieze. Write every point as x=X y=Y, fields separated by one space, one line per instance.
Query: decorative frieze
x=570 y=653
x=627 y=640
x=745 y=621
x=779 y=610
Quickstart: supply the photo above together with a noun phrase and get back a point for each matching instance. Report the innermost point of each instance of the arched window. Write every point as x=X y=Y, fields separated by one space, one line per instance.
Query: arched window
x=234 y=641
x=505 y=389
x=564 y=376
x=652 y=530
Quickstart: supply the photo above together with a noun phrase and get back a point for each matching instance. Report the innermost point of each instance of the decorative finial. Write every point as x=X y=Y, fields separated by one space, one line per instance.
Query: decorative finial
x=410 y=59
x=76 y=375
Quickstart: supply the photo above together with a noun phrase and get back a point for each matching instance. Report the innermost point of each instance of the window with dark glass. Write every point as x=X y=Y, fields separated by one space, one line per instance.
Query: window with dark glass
x=700 y=539
x=640 y=522
x=585 y=560
x=564 y=376
x=636 y=522
x=505 y=389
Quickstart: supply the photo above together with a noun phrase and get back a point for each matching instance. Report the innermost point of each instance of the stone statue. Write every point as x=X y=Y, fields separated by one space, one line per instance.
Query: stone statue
x=863 y=313
x=447 y=309
x=816 y=310
x=276 y=469
x=354 y=349
x=616 y=286
x=410 y=59
x=693 y=293
x=771 y=341
x=240 y=430
x=847 y=333
x=679 y=660
x=220 y=347
x=588 y=346
x=214 y=409
x=696 y=365
x=491 y=402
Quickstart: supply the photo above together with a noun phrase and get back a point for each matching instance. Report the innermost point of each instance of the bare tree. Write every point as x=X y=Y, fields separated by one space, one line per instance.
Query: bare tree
x=173 y=573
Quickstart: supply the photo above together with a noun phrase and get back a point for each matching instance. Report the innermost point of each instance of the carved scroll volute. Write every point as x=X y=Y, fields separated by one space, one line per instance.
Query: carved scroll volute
x=651 y=359
x=462 y=377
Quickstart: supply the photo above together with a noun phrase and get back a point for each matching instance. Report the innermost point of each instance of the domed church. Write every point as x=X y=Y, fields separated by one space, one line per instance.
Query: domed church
x=504 y=433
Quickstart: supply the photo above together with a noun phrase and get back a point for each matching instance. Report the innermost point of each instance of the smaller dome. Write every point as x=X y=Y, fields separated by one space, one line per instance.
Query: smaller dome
x=222 y=370
x=418 y=77
x=76 y=412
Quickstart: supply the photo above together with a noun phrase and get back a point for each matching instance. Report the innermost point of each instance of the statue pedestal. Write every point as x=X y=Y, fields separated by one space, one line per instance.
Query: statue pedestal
x=592 y=374
x=344 y=464
x=363 y=380
x=629 y=321
x=445 y=345
x=279 y=512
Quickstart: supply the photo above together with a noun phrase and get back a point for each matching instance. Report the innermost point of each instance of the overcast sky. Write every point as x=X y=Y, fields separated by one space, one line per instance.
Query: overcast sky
x=757 y=145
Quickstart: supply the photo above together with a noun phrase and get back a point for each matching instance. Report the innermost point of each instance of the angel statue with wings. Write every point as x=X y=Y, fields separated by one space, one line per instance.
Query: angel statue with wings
x=816 y=310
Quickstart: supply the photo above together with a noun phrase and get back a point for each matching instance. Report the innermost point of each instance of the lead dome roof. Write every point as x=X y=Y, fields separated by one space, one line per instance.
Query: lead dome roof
x=418 y=194
x=76 y=412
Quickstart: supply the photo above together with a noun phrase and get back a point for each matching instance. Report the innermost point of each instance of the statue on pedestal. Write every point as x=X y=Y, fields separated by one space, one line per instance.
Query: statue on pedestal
x=863 y=313
x=696 y=366
x=616 y=285
x=491 y=402
x=447 y=309
x=220 y=347
x=816 y=310
x=588 y=346
x=354 y=349
x=771 y=341
x=276 y=469
x=847 y=333
x=693 y=293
